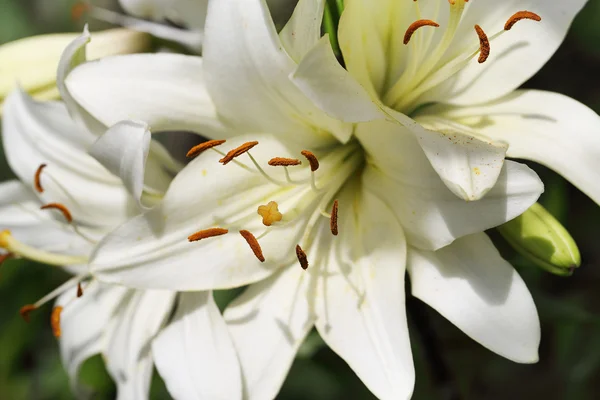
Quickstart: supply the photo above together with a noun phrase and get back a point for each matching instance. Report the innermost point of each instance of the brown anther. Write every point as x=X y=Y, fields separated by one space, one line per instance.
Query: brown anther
x=416 y=25
x=284 y=162
x=207 y=233
x=202 y=147
x=238 y=151
x=484 y=45
x=253 y=243
x=26 y=310
x=37 y=182
x=516 y=17
x=312 y=159
x=301 y=257
x=333 y=221
x=78 y=10
x=79 y=290
x=57 y=206
x=6 y=256
x=55 y=321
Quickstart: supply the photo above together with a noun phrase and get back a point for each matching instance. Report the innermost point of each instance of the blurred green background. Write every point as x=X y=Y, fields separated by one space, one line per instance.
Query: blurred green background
x=449 y=365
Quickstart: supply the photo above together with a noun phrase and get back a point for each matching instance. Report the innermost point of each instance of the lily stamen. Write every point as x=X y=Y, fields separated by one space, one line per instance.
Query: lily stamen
x=516 y=17
x=238 y=151
x=253 y=243
x=484 y=45
x=207 y=233
x=301 y=257
x=284 y=162
x=55 y=321
x=333 y=222
x=57 y=206
x=202 y=147
x=37 y=179
x=416 y=25
x=26 y=310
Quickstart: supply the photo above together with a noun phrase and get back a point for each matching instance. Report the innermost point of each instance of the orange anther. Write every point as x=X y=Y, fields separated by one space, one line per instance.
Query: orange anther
x=207 y=233
x=238 y=151
x=202 y=147
x=484 y=45
x=416 y=25
x=333 y=222
x=516 y=17
x=55 y=321
x=312 y=159
x=37 y=182
x=301 y=257
x=284 y=162
x=57 y=206
x=253 y=243
x=79 y=290
x=26 y=310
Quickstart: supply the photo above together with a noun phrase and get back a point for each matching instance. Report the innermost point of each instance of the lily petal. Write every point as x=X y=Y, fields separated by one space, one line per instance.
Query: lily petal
x=431 y=215
x=267 y=323
x=471 y=285
x=153 y=251
x=361 y=313
x=323 y=80
x=36 y=133
x=74 y=55
x=126 y=87
x=515 y=56
x=123 y=150
x=303 y=30
x=241 y=42
x=127 y=354
x=194 y=354
x=549 y=128
x=83 y=322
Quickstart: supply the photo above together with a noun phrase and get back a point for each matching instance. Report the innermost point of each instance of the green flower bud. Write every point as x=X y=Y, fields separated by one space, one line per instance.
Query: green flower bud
x=539 y=237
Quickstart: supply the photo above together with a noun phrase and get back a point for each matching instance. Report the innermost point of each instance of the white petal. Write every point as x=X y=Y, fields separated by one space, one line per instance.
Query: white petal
x=83 y=323
x=153 y=251
x=267 y=323
x=549 y=128
x=431 y=215
x=127 y=353
x=36 y=133
x=74 y=55
x=241 y=42
x=361 y=312
x=323 y=80
x=515 y=56
x=167 y=91
x=190 y=13
x=123 y=150
x=471 y=285
x=194 y=354
x=303 y=30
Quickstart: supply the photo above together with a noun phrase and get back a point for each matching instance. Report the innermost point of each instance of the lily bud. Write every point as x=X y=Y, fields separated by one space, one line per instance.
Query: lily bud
x=539 y=237
x=31 y=62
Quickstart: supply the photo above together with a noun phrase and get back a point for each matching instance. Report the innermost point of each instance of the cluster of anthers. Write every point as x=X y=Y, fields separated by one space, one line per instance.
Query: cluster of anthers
x=270 y=212
x=424 y=70
x=17 y=249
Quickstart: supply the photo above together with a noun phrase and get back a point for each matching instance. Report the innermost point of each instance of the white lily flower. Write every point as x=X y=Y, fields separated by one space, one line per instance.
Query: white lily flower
x=322 y=218
x=31 y=62
x=50 y=151
x=460 y=82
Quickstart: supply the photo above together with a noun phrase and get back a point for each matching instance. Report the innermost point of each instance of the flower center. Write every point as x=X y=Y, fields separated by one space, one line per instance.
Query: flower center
x=300 y=197
x=428 y=64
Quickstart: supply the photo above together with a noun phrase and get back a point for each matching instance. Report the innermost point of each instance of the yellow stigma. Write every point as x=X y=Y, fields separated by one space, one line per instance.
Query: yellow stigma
x=270 y=213
x=8 y=242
